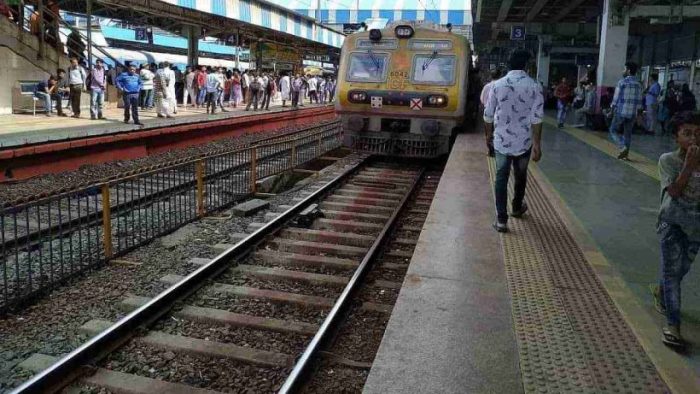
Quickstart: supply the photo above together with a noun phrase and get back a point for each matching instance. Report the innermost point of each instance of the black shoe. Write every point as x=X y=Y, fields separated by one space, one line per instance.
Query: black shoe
x=138 y=123
x=93 y=118
x=518 y=213
x=126 y=120
x=623 y=154
x=161 y=116
x=500 y=227
x=671 y=336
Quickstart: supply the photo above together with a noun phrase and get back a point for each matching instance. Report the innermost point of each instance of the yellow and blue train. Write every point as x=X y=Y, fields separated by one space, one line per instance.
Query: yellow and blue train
x=402 y=90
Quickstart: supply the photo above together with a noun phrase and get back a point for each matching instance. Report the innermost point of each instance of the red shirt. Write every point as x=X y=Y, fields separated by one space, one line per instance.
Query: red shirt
x=201 y=79
x=563 y=92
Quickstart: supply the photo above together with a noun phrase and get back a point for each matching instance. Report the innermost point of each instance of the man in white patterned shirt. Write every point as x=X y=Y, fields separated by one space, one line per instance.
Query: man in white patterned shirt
x=513 y=117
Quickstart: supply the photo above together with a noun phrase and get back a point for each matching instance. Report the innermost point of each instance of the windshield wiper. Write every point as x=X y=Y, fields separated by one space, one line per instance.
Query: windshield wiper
x=429 y=60
x=377 y=63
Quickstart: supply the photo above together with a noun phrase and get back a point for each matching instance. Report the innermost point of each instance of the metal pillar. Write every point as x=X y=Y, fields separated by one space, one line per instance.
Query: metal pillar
x=89 y=33
x=42 y=29
x=238 y=49
x=613 y=46
x=192 y=45
x=543 y=59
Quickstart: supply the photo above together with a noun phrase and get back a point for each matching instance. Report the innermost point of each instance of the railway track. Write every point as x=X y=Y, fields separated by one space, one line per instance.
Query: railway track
x=51 y=239
x=263 y=310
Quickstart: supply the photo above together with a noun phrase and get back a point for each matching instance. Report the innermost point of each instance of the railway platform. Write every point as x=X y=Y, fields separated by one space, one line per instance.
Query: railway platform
x=558 y=304
x=25 y=129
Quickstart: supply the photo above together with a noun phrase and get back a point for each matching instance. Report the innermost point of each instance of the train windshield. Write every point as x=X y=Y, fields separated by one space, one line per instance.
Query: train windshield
x=367 y=67
x=434 y=69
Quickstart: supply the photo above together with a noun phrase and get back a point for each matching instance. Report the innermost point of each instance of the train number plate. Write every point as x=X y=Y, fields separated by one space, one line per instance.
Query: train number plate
x=376 y=102
x=416 y=104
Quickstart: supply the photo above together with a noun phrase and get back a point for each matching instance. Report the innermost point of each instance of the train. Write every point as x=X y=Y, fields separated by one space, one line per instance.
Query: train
x=402 y=90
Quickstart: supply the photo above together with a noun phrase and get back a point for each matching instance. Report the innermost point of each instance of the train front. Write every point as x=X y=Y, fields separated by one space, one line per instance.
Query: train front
x=402 y=89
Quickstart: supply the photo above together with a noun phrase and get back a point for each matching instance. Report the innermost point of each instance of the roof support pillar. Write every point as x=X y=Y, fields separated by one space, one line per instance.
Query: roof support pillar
x=192 y=33
x=543 y=49
x=613 y=45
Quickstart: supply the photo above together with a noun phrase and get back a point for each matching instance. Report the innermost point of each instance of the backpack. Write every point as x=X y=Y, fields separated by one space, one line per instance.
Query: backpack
x=254 y=84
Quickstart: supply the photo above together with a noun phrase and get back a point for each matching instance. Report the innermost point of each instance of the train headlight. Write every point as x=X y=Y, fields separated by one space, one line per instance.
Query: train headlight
x=356 y=96
x=436 y=101
x=430 y=128
x=375 y=34
x=403 y=31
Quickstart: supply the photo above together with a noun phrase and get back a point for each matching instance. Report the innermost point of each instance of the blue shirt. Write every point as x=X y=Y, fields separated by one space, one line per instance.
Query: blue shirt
x=653 y=93
x=128 y=83
x=628 y=97
x=514 y=104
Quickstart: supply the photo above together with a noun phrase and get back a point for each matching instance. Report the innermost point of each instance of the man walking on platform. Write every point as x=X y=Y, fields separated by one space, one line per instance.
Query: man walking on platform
x=652 y=103
x=513 y=117
x=129 y=83
x=563 y=95
x=626 y=103
x=98 y=87
x=76 y=79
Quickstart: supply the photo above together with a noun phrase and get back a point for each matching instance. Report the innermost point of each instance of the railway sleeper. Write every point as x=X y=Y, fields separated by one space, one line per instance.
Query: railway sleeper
x=381 y=182
x=261 y=294
x=367 y=194
x=365 y=188
x=223 y=317
x=389 y=175
x=292 y=276
x=361 y=200
x=359 y=208
x=355 y=216
x=308 y=247
x=196 y=346
x=326 y=236
x=304 y=260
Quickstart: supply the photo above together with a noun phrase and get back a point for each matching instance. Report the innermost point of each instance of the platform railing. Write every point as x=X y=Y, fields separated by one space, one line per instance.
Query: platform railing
x=50 y=240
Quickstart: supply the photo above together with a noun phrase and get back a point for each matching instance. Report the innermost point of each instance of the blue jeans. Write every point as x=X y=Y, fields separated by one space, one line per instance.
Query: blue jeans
x=503 y=164
x=131 y=101
x=201 y=96
x=147 y=98
x=624 y=141
x=561 y=111
x=677 y=254
x=46 y=98
x=97 y=99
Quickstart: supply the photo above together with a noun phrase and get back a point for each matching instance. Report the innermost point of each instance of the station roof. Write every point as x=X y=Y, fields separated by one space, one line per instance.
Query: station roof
x=545 y=11
x=253 y=19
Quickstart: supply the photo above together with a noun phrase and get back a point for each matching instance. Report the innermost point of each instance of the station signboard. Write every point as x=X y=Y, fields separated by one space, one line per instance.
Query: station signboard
x=517 y=33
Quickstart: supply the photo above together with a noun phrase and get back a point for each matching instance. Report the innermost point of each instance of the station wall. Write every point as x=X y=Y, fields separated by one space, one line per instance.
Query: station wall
x=14 y=68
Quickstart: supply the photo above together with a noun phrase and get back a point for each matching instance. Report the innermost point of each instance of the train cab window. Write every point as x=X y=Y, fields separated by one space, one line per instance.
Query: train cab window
x=367 y=67
x=434 y=69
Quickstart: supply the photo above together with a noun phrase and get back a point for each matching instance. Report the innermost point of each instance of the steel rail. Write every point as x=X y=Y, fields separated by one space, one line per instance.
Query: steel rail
x=302 y=368
x=70 y=367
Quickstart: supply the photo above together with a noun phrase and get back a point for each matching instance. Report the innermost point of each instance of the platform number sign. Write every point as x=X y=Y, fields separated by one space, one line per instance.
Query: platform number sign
x=416 y=104
x=517 y=33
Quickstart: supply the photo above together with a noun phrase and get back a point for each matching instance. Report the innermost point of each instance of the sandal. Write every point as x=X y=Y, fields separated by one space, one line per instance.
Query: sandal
x=671 y=336
x=656 y=295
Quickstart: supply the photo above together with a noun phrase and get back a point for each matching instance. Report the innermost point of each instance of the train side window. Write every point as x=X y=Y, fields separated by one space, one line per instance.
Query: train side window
x=433 y=69
x=367 y=67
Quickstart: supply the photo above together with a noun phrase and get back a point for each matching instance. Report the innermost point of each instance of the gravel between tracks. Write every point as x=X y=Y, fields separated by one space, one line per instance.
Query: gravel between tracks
x=89 y=174
x=51 y=325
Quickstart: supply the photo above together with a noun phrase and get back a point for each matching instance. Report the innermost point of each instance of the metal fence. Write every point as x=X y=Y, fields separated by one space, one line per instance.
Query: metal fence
x=50 y=240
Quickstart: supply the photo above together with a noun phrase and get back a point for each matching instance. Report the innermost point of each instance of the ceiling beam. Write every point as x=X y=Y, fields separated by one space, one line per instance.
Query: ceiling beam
x=535 y=10
x=567 y=10
x=650 y=11
x=503 y=11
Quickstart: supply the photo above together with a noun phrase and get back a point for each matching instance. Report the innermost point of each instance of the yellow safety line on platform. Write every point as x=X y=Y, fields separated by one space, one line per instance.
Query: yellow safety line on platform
x=636 y=160
x=678 y=374
x=674 y=369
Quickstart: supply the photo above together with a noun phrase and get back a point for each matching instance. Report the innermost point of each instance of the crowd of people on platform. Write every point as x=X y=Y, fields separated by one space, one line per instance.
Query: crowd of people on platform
x=163 y=88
